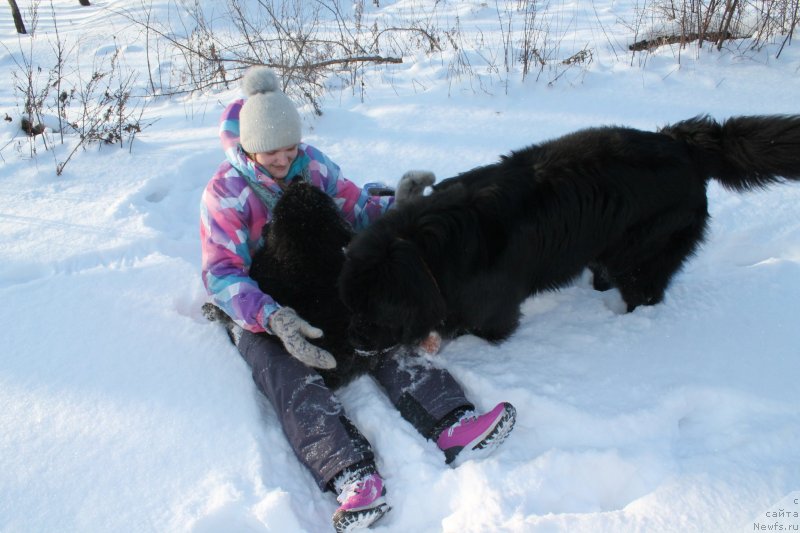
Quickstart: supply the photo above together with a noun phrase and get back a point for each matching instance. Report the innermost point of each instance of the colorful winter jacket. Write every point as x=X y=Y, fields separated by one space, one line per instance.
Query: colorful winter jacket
x=235 y=206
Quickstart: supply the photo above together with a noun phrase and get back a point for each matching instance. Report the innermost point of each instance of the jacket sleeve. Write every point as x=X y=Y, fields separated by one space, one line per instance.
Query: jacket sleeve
x=230 y=233
x=358 y=207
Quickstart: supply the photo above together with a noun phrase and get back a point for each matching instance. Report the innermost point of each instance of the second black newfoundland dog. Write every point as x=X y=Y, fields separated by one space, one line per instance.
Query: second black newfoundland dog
x=630 y=205
x=299 y=266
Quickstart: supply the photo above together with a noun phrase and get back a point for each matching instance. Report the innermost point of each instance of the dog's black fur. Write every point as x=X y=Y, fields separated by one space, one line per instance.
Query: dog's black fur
x=299 y=266
x=628 y=204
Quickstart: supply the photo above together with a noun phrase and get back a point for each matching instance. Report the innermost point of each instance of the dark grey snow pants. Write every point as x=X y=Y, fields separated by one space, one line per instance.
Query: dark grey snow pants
x=322 y=436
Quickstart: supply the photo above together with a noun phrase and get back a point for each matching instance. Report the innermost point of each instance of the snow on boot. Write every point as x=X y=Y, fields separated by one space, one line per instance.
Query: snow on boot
x=475 y=436
x=361 y=495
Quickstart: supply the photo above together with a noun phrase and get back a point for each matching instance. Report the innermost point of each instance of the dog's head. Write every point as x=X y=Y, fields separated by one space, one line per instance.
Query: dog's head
x=390 y=290
x=306 y=223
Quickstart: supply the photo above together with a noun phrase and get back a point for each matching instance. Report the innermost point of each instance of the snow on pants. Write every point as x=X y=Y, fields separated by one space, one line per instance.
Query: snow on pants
x=321 y=435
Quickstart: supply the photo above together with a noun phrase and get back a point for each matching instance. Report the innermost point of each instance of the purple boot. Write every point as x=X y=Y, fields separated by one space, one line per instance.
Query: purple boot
x=476 y=435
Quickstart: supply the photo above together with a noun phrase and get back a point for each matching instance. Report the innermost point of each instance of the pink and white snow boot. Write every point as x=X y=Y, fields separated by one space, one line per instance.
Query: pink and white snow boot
x=363 y=502
x=474 y=436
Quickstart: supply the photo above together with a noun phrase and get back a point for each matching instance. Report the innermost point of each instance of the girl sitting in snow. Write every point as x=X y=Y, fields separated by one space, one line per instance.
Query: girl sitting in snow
x=264 y=153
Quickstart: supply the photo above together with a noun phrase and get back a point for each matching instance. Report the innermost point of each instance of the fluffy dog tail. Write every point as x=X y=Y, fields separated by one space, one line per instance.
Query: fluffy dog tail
x=745 y=152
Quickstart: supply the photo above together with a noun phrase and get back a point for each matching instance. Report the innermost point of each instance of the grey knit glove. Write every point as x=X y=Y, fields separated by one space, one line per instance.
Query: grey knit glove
x=413 y=184
x=293 y=332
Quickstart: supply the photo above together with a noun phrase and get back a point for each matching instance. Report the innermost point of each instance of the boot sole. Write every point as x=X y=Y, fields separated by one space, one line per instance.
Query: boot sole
x=344 y=521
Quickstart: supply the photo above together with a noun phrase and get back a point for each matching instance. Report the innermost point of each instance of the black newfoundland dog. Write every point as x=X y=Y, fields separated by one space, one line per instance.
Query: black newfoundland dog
x=299 y=267
x=630 y=205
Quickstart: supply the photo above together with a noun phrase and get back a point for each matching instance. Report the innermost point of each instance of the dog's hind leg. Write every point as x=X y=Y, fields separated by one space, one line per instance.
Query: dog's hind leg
x=642 y=286
x=601 y=279
x=652 y=255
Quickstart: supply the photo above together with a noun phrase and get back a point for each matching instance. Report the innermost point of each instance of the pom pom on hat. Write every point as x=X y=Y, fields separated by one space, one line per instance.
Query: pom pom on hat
x=268 y=119
x=259 y=80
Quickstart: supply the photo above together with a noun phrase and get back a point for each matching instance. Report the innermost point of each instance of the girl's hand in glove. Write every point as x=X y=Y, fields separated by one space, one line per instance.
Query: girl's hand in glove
x=294 y=332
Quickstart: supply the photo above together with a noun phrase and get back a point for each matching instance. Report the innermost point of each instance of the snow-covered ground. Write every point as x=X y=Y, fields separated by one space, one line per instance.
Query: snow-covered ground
x=124 y=410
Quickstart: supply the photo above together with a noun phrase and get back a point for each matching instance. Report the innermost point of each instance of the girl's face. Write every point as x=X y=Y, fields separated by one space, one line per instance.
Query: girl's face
x=277 y=162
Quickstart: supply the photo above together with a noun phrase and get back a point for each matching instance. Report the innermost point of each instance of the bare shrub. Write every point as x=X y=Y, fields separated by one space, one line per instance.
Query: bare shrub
x=82 y=109
x=681 y=22
x=106 y=112
x=306 y=41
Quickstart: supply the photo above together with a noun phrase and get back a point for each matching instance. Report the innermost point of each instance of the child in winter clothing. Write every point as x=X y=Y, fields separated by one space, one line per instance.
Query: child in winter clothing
x=261 y=137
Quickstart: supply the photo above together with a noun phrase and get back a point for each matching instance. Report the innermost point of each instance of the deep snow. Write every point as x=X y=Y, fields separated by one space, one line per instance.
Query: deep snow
x=124 y=410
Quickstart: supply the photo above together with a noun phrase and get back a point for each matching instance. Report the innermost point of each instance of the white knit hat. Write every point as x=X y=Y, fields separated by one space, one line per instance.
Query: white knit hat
x=268 y=119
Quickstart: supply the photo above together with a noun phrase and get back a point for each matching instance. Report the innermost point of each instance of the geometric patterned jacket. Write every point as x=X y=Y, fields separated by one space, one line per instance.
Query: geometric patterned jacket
x=232 y=216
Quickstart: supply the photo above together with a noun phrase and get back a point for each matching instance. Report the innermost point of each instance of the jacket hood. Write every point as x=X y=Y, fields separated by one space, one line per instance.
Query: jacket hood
x=229 y=136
